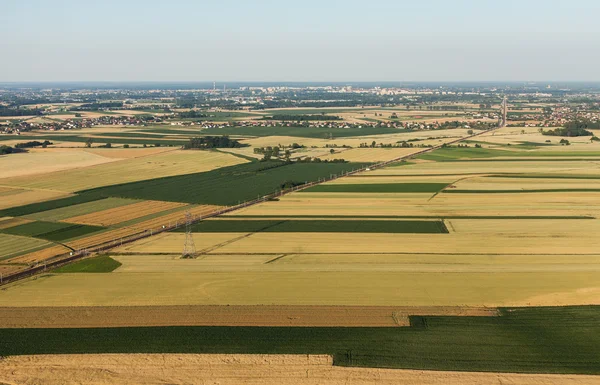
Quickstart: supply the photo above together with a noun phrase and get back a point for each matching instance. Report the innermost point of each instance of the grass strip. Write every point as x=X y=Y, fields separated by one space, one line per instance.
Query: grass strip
x=101 y=264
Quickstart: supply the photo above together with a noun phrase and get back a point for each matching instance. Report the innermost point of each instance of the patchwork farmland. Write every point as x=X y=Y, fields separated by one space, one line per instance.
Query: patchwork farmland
x=481 y=258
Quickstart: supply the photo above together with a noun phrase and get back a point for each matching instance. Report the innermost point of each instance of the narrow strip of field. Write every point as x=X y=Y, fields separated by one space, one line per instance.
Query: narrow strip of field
x=556 y=190
x=367 y=217
x=266 y=316
x=316 y=226
x=235 y=369
x=51 y=231
x=379 y=188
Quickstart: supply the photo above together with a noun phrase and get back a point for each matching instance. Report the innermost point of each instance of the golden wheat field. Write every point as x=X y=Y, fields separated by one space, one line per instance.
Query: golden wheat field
x=123 y=213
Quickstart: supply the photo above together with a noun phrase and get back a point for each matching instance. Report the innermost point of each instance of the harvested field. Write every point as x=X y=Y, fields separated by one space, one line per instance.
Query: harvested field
x=378 y=188
x=235 y=369
x=127 y=153
x=420 y=204
x=307 y=287
x=41 y=255
x=297 y=316
x=499 y=184
x=365 y=155
x=123 y=213
x=6 y=269
x=176 y=162
x=48 y=160
x=328 y=243
x=74 y=210
x=554 y=166
x=406 y=263
x=12 y=197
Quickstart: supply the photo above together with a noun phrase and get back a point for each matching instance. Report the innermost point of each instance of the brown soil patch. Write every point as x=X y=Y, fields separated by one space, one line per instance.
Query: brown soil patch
x=307 y=316
x=234 y=369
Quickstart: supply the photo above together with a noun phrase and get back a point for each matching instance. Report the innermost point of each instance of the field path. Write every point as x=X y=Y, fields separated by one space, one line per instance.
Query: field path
x=235 y=369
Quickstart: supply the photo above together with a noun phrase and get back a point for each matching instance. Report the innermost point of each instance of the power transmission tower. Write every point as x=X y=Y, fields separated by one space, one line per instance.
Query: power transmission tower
x=189 y=247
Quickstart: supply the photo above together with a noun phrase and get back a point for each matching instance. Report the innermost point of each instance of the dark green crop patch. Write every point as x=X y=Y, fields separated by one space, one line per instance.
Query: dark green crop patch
x=101 y=264
x=318 y=226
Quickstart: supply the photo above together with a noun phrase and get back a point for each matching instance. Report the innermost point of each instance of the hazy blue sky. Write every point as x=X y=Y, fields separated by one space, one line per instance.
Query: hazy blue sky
x=306 y=40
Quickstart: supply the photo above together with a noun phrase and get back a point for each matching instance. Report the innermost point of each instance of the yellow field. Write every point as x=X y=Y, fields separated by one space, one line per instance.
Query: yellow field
x=306 y=288
x=43 y=161
x=42 y=255
x=477 y=183
x=441 y=135
x=124 y=213
x=160 y=165
x=493 y=167
x=422 y=204
x=413 y=263
x=11 y=197
x=344 y=243
x=370 y=154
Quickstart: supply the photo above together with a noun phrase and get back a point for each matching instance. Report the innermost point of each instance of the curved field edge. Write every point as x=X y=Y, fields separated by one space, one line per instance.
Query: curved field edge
x=563 y=340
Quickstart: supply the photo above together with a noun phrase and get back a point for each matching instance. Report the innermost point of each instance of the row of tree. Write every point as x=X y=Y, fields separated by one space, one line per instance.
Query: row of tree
x=213 y=142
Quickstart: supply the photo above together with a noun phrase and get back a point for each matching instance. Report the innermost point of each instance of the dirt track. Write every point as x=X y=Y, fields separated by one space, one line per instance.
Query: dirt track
x=71 y=317
x=145 y=369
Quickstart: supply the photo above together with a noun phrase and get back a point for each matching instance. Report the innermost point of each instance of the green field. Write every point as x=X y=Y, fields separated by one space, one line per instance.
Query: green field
x=12 y=246
x=51 y=231
x=315 y=226
x=225 y=186
x=101 y=264
x=379 y=188
x=521 y=340
x=450 y=154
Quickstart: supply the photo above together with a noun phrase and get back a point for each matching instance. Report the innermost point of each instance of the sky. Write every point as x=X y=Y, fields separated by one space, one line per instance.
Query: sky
x=308 y=40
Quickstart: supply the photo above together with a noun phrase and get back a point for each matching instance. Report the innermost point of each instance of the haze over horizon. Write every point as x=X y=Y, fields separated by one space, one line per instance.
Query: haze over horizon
x=312 y=41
